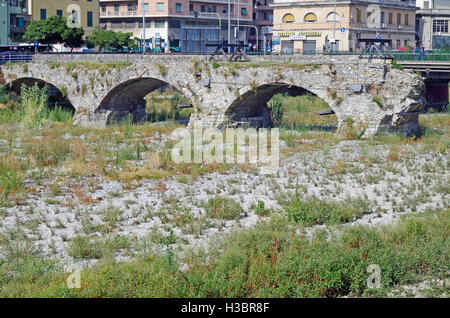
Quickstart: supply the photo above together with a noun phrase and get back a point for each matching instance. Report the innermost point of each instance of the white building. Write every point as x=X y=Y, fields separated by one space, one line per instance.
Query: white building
x=432 y=23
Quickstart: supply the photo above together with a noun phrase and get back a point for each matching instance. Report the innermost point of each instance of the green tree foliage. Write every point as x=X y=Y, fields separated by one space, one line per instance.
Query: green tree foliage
x=73 y=37
x=110 y=40
x=54 y=30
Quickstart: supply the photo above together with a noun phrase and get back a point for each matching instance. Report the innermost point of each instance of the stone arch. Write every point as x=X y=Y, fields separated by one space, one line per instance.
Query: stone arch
x=251 y=107
x=56 y=96
x=128 y=97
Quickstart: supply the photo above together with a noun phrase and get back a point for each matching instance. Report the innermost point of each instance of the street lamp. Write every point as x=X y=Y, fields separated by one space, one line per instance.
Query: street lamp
x=143 y=28
x=257 y=33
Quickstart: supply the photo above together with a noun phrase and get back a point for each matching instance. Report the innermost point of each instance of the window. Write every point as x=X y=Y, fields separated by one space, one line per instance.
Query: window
x=331 y=17
x=175 y=24
x=398 y=44
x=202 y=8
x=75 y=17
x=160 y=6
x=426 y=4
x=116 y=8
x=191 y=7
x=391 y=18
x=59 y=13
x=178 y=7
x=288 y=18
x=358 y=15
x=43 y=14
x=146 y=7
x=103 y=8
x=440 y=26
x=130 y=8
x=160 y=24
x=382 y=18
x=310 y=17
x=406 y=19
x=89 y=19
x=214 y=9
x=244 y=11
x=399 y=18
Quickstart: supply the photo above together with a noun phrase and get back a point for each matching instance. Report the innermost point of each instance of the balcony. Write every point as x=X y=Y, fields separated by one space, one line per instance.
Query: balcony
x=263 y=22
x=17 y=29
x=211 y=15
x=244 y=2
x=119 y=14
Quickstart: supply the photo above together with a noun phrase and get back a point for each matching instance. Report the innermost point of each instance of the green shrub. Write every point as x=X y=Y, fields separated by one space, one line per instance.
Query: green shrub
x=83 y=247
x=261 y=210
x=276 y=106
x=10 y=180
x=223 y=208
x=215 y=65
x=313 y=211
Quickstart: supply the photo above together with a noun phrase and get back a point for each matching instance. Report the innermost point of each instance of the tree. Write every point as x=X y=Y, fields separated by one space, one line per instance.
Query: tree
x=73 y=37
x=112 y=40
x=47 y=31
x=103 y=39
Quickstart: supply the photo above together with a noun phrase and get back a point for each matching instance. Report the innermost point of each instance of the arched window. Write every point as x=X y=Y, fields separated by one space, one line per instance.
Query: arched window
x=310 y=17
x=288 y=18
x=330 y=17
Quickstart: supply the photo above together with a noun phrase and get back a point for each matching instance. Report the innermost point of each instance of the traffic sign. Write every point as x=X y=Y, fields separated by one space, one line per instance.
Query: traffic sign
x=343 y=30
x=36 y=43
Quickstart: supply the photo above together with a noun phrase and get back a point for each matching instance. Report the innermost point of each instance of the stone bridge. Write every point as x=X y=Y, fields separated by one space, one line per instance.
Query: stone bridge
x=375 y=96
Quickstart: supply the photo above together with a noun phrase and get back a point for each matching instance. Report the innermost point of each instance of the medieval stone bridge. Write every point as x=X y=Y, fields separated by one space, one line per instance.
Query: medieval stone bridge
x=374 y=95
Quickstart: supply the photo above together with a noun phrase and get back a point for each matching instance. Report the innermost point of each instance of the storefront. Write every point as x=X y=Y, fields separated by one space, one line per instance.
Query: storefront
x=297 y=42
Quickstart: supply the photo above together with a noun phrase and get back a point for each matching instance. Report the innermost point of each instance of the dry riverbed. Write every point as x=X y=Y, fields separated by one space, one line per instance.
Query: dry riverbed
x=84 y=194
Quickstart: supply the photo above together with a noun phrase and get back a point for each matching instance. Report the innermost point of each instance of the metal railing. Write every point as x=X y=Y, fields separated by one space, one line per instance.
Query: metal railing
x=430 y=57
x=15 y=58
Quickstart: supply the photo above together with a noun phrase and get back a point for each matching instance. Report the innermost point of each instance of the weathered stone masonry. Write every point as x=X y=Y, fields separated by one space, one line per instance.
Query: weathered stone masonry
x=374 y=95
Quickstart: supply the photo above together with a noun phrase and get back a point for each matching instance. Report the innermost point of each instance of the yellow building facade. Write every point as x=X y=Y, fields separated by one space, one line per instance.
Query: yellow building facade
x=307 y=26
x=84 y=12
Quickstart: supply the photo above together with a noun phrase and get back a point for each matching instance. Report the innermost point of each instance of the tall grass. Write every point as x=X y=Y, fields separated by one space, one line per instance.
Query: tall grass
x=34 y=109
x=163 y=106
x=302 y=113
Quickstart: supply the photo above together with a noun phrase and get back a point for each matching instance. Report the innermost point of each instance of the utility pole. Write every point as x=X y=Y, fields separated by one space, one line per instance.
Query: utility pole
x=229 y=22
x=143 y=29
x=238 y=18
x=334 y=28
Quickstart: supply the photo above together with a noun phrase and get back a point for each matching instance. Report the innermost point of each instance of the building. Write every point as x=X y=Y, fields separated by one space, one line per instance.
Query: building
x=263 y=20
x=432 y=21
x=84 y=12
x=13 y=18
x=184 y=24
x=310 y=26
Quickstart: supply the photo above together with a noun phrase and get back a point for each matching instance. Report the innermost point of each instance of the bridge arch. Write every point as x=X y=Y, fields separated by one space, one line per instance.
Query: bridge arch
x=251 y=107
x=56 y=97
x=129 y=98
